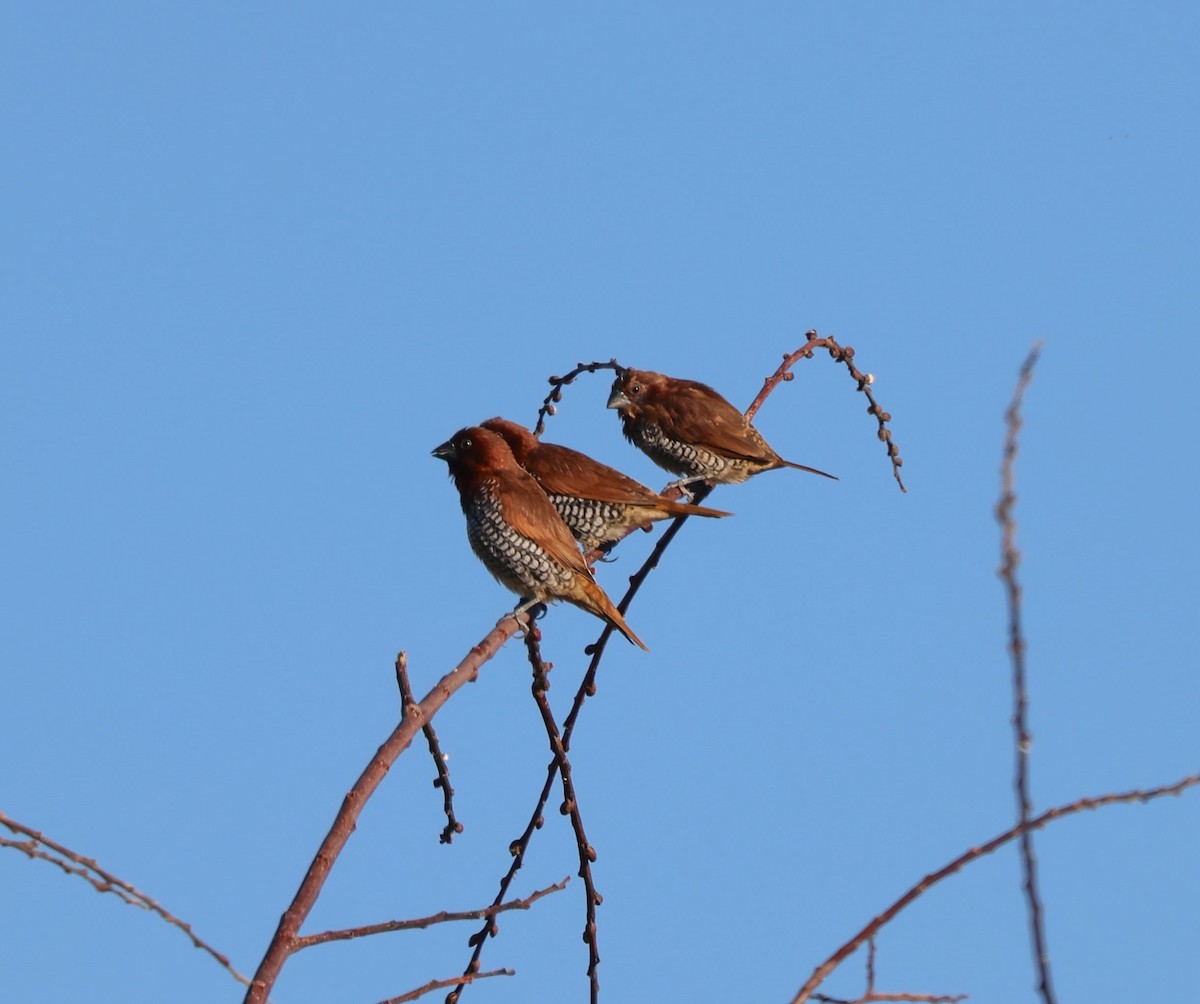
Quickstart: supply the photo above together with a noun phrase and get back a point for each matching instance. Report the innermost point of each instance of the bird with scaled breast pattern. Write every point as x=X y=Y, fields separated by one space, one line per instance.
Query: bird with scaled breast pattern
x=689 y=429
x=598 y=503
x=515 y=530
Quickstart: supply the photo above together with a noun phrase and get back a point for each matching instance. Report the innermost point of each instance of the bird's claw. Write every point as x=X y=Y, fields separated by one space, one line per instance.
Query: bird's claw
x=535 y=609
x=683 y=486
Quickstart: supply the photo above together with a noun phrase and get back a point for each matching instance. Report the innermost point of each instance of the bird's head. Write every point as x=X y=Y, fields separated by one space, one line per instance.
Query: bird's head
x=473 y=454
x=519 y=439
x=631 y=389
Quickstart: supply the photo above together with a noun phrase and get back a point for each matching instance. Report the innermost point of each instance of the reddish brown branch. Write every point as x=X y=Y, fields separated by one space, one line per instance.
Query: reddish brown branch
x=821 y=973
x=442 y=917
x=432 y=985
x=1023 y=741
x=442 y=780
x=879 y=998
x=283 y=944
x=40 y=847
x=864 y=381
x=873 y=996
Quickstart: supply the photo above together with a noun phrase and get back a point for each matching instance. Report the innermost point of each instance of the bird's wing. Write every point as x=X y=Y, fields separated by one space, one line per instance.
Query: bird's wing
x=699 y=415
x=530 y=513
x=563 y=471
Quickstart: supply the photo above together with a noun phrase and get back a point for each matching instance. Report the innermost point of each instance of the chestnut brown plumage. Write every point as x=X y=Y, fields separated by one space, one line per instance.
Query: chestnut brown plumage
x=598 y=503
x=515 y=530
x=689 y=429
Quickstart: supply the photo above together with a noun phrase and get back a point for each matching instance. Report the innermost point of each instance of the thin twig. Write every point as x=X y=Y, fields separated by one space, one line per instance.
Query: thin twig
x=518 y=847
x=517 y=850
x=873 y=996
x=879 y=998
x=569 y=807
x=1023 y=741
x=432 y=985
x=442 y=781
x=101 y=880
x=442 y=917
x=933 y=878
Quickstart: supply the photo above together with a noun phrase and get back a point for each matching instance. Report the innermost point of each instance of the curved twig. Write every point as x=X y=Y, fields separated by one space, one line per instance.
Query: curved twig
x=549 y=404
x=845 y=355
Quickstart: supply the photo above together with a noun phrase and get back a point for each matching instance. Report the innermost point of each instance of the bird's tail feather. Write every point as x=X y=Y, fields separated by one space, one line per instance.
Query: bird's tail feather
x=618 y=622
x=687 y=509
x=596 y=601
x=811 y=470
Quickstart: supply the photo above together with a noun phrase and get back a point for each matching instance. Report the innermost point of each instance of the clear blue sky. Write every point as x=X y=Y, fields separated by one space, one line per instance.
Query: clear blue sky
x=258 y=262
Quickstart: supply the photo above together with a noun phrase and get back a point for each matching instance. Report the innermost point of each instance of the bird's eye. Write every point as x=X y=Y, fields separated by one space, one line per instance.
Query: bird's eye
x=635 y=388
x=466 y=442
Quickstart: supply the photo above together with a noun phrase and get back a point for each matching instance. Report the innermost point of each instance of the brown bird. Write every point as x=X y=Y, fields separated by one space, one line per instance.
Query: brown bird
x=689 y=429
x=516 y=531
x=598 y=504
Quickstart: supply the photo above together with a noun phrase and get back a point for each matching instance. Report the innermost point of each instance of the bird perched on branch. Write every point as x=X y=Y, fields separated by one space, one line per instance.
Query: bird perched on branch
x=598 y=503
x=689 y=429
x=515 y=530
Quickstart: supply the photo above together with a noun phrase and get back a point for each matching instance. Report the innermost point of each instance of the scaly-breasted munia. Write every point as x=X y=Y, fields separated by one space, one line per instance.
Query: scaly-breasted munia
x=598 y=504
x=515 y=530
x=689 y=429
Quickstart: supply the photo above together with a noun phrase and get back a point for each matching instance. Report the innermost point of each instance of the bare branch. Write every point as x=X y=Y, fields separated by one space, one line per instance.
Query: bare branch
x=432 y=985
x=517 y=850
x=1023 y=741
x=40 y=847
x=871 y=995
x=569 y=807
x=442 y=781
x=821 y=973
x=878 y=998
x=442 y=917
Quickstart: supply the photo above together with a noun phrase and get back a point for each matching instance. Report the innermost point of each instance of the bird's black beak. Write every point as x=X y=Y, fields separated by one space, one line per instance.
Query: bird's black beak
x=617 y=399
x=444 y=452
